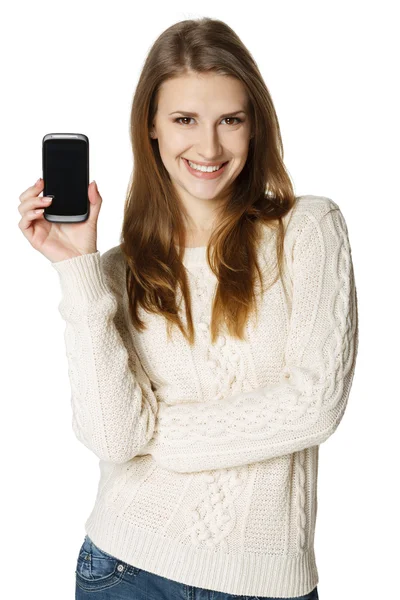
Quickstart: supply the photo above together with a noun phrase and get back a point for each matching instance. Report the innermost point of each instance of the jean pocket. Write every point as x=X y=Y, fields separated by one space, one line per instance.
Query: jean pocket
x=97 y=570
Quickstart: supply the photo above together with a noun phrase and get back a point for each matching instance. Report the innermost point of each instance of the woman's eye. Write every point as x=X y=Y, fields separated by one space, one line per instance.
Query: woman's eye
x=230 y=118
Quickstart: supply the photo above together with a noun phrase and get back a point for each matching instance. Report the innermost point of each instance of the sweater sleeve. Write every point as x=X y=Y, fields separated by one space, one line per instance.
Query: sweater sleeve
x=113 y=406
x=306 y=406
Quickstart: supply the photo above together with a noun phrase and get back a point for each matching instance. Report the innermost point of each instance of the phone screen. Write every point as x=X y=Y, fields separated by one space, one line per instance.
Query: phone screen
x=66 y=175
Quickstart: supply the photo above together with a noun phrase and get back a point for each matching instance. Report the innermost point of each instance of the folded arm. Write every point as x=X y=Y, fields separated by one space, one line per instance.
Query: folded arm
x=308 y=403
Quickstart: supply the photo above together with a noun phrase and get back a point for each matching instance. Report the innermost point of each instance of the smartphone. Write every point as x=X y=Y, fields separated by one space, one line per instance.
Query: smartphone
x=65 y=163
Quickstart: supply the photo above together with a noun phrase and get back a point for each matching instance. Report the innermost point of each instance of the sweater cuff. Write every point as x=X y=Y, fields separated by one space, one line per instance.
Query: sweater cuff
x=81 y=277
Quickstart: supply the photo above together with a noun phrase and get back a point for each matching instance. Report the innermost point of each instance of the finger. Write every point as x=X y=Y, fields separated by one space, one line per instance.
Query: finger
x=34 y=190
x=95 y=202
x=28 y=218
x=36 y=202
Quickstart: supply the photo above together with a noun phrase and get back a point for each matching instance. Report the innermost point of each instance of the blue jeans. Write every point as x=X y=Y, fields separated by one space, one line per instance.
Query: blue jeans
x=100 y=576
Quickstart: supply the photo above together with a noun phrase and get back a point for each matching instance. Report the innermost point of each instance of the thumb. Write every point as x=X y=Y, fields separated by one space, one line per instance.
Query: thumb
x=95 y=202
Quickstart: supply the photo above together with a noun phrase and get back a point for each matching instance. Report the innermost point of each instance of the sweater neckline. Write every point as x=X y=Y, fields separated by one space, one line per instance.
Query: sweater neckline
x=196 y=255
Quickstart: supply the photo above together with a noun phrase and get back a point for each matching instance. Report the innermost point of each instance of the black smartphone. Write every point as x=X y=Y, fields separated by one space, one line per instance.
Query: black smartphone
x=65 y=163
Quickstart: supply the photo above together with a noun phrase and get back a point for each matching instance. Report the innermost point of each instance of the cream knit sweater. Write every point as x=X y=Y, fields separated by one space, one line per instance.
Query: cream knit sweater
x=209 y=454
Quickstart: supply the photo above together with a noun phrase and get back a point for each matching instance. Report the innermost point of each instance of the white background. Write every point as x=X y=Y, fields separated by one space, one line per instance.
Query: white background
x=332 y=72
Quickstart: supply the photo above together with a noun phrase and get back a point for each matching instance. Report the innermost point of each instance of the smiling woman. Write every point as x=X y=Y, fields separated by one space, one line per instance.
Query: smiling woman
x=211 y=145
x=211 y=178
x=207 y=422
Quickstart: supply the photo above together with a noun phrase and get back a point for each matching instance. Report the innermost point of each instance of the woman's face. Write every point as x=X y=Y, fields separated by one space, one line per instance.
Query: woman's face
x=208 y=137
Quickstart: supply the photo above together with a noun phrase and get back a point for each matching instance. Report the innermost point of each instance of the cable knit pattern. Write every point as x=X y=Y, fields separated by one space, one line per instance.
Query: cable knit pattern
x=225 y=363
x=214 y=516
x=301 y=498
x=308 y=403
x=209 y=454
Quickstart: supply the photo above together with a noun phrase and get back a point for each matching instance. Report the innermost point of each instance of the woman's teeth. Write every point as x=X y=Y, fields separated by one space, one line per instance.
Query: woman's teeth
x=205 y=169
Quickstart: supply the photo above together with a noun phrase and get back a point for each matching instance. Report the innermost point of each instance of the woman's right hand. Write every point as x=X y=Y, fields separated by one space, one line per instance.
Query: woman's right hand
x=58 y=241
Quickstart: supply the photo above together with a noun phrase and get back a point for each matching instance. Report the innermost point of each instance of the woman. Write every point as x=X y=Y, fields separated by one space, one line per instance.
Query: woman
x=207 y=432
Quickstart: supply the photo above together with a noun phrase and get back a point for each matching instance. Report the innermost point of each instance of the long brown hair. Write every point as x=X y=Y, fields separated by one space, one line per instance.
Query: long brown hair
x=262 y=194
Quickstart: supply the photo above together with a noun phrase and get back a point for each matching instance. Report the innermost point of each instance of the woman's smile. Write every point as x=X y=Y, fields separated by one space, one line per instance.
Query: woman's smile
x=205 y=174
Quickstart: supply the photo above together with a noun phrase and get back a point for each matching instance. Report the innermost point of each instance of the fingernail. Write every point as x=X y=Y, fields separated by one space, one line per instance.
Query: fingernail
x=38 y=181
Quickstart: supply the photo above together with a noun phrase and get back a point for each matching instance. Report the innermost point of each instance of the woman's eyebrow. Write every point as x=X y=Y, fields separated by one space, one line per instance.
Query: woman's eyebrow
x=193 y=114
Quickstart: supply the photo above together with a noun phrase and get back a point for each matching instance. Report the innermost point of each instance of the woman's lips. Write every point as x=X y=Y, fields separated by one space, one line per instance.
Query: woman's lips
x=205 y=174
x=201 y=165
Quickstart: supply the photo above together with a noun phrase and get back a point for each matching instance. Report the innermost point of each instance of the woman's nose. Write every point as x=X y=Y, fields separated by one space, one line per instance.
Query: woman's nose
x=209 y=144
